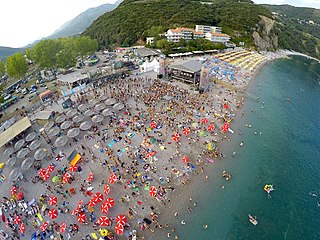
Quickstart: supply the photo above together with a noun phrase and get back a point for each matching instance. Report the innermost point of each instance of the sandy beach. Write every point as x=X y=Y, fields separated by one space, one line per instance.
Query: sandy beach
x=145 y=140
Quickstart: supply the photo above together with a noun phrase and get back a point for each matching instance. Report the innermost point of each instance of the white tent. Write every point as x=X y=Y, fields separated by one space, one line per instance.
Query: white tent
x=150 y=66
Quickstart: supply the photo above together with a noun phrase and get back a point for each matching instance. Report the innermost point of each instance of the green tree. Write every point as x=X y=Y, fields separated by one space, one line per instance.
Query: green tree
x=17 y=66
x=84 y=45
x=2 y=68
x=45 y=53
x=66 y=57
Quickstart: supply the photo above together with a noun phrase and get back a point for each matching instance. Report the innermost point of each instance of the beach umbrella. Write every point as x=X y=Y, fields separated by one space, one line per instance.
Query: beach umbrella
x=44 y=226
x=19 y=144
x=153 y=191
x=211 y=127
x=73 y=132
x=53 y=200
x=54 y=131
x=202 y=133
x=11 y=162
x=19 y=196
x=22 y=153
x=112 y=179
x=85 y=125
x=15 y=174
x=225 y=127
x=34 y=144
x=73 y=168
x=103 y=97
x=65 y=125
x=93 y=102
x=45 y=176
x=50 y=168
x=107 y=112
x=82 y=217
x=55 y=179
x=75 y=211
x=185 y=159
x=78 y=118
x=61 y=141
x=79 y=204
x=121 y=219
x=118 y=106
x=100 y=107
x=48 y=126
x=195 y=125
x=175 y=137
x=82 y=107
x=106 y=189
x=98 y=197
x=31 y=136
x=60 y=119
x=71 y=113
x=109 y=202
x=110 y=101
x=40 y=154
x=13 y=190
x=225 y=106
x=186 y=131
x=8 y=152
x=119 y=230
x=42 y=171
x=97 y=118
x=27 y=163
x=90 y=177
x=53 y=213
x=153 y=124
x=63 y=227
x=104 y=221
x=22 y=228
x=88 y=113
x=17 y=220
x=204 y=120
x=66 y=177
x=91 y=203
x=104 y=208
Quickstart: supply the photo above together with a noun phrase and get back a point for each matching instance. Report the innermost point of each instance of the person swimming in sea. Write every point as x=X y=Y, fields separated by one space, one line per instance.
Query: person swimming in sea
x=205 y=226
x=183 y=222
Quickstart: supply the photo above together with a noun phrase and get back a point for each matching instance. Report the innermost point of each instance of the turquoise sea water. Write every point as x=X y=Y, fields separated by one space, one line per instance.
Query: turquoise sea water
x=286 y=154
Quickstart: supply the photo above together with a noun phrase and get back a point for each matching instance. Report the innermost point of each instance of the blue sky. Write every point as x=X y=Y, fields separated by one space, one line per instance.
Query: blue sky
x=24 y=21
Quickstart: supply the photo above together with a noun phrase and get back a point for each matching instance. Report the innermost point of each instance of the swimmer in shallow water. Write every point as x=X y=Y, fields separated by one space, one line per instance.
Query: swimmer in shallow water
x=183 y=222
x=205 y=226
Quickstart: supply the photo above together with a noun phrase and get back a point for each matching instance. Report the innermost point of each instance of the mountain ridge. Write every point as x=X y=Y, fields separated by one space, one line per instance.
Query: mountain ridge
x=243 y=20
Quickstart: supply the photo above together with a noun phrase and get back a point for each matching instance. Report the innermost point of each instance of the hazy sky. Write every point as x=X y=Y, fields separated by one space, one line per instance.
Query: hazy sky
x=297 y=3
x=24 y=21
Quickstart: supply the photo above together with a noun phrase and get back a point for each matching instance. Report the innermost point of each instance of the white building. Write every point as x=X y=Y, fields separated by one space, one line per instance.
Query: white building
x=150 y=40
x=217 y=37
x=208 y=29
x=174 y=35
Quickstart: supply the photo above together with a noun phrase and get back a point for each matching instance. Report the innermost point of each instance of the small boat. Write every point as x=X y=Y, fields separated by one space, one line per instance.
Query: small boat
x=253 y=219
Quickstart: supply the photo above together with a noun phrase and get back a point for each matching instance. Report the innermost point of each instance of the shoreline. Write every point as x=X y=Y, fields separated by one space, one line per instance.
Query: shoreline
x=182 y=193
x=222 y=96
x=288 y=52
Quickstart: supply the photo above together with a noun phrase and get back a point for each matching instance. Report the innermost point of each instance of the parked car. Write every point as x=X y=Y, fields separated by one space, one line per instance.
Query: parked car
x=7 y=97
x=30 y=98
x=24 y=91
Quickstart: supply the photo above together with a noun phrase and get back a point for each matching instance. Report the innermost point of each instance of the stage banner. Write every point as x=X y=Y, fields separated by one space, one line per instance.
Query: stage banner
x=204 y=79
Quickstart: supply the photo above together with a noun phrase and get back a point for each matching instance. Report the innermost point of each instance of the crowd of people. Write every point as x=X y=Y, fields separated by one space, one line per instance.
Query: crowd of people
x=158 y=140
